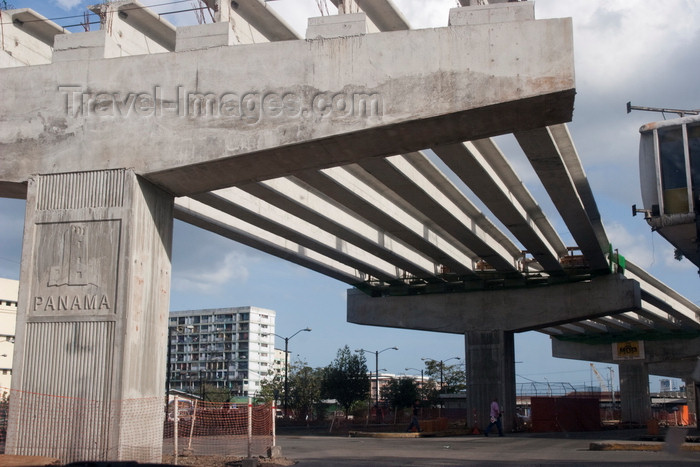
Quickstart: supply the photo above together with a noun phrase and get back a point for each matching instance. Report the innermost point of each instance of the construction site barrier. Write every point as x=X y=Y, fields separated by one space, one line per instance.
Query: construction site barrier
x=73 y=429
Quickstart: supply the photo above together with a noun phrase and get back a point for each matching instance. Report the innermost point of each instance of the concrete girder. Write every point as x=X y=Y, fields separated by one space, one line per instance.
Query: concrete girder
x=402 y=105
x=562 y=138
x=664 y=297
x=546 y=158
x=27 y=38
x=487 y=147
x=677 y=315
x=646 y=318
x=662 y=320
x=570 y=329
x=551 y=331
x=303 y=202
x=421 y=162
x=474 y=168
x=636 y=320
x=247 y=208
x=514 y=310
x=200 y=215
x=338 y=184
x=262 y=18
x=591 y=326
x=383 y=14
x=140 y=18
x=613 y=323
x=444 y=208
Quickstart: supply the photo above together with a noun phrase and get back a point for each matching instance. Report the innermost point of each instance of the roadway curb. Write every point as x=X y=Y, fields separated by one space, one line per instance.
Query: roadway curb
x=639 y=446
x=369 y=434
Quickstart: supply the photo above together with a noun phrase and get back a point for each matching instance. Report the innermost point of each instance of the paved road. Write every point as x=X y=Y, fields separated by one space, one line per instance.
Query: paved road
x=517 y=449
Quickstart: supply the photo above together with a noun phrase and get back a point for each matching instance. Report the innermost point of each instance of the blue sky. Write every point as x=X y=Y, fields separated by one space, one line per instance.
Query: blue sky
x=624 y=50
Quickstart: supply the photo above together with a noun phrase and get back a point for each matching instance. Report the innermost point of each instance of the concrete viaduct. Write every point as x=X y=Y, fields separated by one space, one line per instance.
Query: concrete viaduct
x=324 y=151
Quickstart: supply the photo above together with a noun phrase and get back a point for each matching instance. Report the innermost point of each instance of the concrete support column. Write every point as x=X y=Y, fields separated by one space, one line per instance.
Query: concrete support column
x=634 y=392
x=691 y=394
x=490 y=358
x=92 y=319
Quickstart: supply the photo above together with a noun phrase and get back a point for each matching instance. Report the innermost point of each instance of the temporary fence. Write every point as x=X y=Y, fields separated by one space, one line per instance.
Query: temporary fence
x=217 y=428
x=74 y=429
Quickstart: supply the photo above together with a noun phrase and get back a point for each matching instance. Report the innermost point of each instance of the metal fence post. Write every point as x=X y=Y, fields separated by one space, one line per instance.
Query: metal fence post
x=176 y=426
x=250 y=425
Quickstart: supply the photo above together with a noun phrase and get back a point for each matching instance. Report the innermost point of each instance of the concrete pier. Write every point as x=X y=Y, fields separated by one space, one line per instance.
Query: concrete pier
x=92 y=317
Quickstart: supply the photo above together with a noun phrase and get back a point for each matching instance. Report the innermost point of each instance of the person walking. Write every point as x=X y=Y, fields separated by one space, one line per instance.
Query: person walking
x=495 y=418
x=414 y=417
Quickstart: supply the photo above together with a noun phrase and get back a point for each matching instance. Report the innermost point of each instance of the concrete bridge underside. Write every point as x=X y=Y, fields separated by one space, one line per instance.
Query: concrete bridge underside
x=322 y=160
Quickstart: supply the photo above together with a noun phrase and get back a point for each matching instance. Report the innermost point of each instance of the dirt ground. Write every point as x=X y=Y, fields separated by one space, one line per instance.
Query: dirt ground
x=228 y=461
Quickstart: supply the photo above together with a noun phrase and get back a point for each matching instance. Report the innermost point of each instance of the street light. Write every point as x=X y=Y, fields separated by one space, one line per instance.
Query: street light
x=442 y=368
x=376 y=374
x=286 y=366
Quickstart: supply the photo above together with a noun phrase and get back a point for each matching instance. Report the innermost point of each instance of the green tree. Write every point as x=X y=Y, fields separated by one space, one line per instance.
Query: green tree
x=214 y=394
x=272 y=389
x=346 y=379
x=304 y=389
x=401 y=392
x=304 y=385
x=452 y=376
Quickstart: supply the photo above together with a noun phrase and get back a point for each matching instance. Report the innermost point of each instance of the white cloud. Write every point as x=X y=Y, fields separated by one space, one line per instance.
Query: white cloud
x=645 y=250
x=616 y=42
x=68 y=4
x=208 y=277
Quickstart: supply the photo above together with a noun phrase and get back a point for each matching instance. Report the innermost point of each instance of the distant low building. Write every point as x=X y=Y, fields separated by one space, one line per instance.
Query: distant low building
x=9 y=290
x=230 y=348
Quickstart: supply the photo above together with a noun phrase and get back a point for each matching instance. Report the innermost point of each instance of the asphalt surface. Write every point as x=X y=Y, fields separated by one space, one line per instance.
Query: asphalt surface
x=552 y=449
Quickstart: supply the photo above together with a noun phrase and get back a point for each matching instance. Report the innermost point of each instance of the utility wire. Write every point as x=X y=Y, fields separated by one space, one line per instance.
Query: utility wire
x=38 y=20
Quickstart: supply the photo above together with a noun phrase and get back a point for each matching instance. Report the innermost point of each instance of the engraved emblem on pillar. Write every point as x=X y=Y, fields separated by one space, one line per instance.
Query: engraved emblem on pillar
x=80 y=274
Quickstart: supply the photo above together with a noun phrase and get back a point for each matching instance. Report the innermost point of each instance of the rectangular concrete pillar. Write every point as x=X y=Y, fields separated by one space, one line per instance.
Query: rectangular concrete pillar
x=490 y=357
x=92 y=319
x=691 y=395
x=634 y=393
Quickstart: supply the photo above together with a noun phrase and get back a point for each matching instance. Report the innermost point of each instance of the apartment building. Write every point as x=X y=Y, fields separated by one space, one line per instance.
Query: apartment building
x=231 y=348
x=9 y=290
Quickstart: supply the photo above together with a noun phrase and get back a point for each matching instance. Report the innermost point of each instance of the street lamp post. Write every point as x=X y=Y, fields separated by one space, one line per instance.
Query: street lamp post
x=421 y=379
x=376 y=373
x=286 y=366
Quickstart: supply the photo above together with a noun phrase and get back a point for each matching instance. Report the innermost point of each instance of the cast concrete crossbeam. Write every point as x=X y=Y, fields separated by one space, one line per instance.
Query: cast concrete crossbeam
x=517 y=310
x=294 y=128
x=656 y=353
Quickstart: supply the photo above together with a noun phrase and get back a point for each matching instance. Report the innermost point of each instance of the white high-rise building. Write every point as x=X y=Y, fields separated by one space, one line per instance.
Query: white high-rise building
x=9 y=290
x=231 y=348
